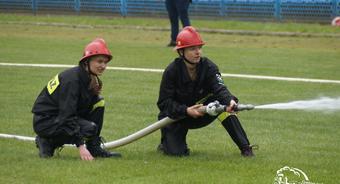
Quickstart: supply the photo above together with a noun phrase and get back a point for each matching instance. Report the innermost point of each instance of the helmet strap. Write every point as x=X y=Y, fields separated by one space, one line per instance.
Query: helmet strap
x=88 y=67
x=184 y=58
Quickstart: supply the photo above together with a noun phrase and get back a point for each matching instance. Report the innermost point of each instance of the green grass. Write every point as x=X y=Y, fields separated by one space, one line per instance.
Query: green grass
x=164 y=22
x=282 y=56
x=305 y=140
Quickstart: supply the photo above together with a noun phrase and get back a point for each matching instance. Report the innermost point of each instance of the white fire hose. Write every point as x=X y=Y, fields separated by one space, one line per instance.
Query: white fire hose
x=139 y=134
x=212 y=109
x=113 y=144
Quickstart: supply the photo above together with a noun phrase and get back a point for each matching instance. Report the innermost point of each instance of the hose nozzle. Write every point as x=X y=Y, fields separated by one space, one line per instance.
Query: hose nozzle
x=242 y=107
x=215 y=108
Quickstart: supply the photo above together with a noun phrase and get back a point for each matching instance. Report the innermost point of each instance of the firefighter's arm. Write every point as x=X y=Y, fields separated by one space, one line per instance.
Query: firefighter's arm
x=68 y=100
x=166 y=101
x=218 y=87
x=194 y=111
x=68 y=103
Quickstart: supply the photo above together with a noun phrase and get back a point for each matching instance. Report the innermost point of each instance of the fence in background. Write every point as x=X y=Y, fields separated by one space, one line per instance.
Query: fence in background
x=298 y=10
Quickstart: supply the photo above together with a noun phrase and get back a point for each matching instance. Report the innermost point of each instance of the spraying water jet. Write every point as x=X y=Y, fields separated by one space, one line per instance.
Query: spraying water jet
x=326 y=104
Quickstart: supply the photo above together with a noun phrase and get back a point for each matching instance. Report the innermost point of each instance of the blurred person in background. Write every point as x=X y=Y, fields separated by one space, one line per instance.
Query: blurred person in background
x=177 y=9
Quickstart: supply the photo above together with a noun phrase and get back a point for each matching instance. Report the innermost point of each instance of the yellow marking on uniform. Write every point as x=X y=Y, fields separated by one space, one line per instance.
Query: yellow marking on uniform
x=53 y=84
x=224 y=116
x=101 y=103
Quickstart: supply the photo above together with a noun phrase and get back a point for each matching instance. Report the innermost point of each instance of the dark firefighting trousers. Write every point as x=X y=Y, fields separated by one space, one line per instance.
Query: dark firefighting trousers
x=173 y=139
x=74 y=131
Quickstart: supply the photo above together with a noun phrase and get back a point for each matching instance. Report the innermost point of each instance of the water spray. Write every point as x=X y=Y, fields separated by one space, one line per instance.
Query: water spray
x=324 y=104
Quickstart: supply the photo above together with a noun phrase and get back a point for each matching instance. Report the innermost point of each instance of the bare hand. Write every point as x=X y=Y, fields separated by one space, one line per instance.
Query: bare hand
x=230 y=108
x=194 y=111
x=84 y=153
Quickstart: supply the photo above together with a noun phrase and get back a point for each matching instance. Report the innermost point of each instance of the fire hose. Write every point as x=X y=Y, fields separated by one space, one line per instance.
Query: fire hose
x=213 y=109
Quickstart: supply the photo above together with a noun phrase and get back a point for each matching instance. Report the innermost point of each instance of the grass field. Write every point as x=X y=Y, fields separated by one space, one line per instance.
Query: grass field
x=305 y=140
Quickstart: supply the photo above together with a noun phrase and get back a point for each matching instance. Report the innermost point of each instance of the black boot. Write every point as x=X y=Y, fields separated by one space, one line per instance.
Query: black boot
x=239 y=136
x=45 y=146
x=97 y=151
x=247 y=151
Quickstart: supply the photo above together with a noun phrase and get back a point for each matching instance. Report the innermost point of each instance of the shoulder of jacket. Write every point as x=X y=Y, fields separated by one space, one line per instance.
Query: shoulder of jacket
x=69 y=75
x=208 y=63
x=173 y=66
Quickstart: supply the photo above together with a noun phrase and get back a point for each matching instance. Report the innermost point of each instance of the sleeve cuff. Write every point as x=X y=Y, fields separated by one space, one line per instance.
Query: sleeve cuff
x=79 y=142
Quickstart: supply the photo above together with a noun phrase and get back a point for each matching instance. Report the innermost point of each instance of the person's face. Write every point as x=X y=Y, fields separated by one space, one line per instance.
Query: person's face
x=193 y=54
x=98 y=64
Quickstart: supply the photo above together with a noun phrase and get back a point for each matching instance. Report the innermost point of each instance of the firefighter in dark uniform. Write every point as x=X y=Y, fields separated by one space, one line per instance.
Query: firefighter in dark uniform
x=189 y=82
x=70 y=110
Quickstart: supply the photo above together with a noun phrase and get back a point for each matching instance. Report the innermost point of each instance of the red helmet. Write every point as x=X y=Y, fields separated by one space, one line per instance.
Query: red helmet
x=188 y=37
x=96 y=47
x=336 y=21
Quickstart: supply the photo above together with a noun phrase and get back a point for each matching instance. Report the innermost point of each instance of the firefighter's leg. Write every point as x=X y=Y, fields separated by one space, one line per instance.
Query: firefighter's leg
x=45 y=127
x=195 y=123
x=233 y=126
x=94 y=141
x=97 y=113
x=53 y=134
x=173 y=140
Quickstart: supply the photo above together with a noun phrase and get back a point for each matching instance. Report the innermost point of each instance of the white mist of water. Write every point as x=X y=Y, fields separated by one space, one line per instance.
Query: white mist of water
x=324 y=104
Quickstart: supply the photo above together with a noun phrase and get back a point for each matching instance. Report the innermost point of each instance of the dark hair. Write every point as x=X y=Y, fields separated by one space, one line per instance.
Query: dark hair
x=95 y=84
x=83 y=63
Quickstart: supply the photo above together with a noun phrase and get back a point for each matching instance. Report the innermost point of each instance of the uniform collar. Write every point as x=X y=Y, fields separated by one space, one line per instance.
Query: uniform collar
x=183 y=69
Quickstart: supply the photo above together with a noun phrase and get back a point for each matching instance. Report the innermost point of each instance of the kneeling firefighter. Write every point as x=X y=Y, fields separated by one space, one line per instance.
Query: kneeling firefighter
x=70 y=110
x=189 y=82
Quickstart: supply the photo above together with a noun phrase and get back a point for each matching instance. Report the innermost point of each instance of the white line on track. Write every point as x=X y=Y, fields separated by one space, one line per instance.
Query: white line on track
x=262 y=77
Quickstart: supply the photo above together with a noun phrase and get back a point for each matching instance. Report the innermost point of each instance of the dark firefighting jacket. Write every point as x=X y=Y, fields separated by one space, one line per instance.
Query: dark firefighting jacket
x=67 y=97
x=178 y=91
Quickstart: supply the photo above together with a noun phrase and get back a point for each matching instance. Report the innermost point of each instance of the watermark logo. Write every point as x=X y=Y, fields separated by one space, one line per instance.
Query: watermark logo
x=290 y=175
